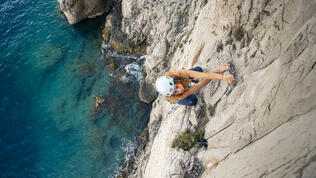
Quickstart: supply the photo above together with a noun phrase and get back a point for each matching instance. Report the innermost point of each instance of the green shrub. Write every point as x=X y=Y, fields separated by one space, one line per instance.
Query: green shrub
x=187 y=139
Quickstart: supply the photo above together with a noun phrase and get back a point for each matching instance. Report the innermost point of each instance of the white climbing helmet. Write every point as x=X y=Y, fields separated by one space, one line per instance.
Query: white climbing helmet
x=165 y=85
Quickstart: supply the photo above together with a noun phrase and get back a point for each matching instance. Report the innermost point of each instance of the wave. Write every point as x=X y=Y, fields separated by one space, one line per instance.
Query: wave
x=128 y=68
x=129 y=149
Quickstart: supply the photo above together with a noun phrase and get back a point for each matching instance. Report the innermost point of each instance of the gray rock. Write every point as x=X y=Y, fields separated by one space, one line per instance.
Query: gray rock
x=147 y=92
x=264 y=125
x=287 y=151
x=77 y=10
x=112 y=33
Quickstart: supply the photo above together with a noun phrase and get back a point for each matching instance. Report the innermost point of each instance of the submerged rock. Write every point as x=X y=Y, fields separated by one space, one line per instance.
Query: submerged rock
x=83 y=68
x=112 y=66
x=98 y=102
x=48 y=55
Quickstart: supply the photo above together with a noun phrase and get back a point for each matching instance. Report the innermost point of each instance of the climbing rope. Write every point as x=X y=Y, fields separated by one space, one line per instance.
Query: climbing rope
x=172 y=110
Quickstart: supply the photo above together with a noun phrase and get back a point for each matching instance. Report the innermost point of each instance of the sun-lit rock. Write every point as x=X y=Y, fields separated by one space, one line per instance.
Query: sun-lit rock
x=262 y=126
x=77 y=10
x=98 y=102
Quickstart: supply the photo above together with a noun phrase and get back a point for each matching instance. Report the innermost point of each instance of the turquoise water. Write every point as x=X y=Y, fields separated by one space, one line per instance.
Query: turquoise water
x=50 y=73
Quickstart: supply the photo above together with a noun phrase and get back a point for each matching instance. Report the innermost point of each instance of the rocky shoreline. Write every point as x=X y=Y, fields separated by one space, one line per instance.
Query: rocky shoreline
x=263 y=126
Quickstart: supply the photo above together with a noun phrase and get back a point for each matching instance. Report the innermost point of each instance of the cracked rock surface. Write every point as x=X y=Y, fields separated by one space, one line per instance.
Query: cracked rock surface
x=77 y=10
x=264 y=126
x=261 y=127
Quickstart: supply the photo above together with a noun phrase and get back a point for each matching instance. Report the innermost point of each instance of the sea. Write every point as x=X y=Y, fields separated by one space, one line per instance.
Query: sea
x=50 y=76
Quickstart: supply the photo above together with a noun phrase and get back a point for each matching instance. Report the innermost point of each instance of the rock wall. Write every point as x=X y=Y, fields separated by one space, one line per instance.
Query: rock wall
x=155 y=28
x=261 y=127
x=77 y=10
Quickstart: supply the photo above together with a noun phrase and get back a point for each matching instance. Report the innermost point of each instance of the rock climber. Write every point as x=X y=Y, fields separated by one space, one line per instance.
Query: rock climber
x=177 y=87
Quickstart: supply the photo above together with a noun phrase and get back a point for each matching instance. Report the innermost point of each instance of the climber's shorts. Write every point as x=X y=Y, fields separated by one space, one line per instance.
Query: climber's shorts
x=192 y=99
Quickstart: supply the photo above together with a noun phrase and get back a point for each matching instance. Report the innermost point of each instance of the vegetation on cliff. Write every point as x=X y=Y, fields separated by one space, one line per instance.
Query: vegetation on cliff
x=187 y=139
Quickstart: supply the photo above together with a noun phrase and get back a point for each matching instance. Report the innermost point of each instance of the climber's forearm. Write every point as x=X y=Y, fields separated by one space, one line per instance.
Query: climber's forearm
x=196 y=87
x=217 y=70
x=202 y=75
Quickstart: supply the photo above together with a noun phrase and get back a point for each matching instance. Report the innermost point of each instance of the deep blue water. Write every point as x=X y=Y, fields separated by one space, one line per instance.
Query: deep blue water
x=50 y=73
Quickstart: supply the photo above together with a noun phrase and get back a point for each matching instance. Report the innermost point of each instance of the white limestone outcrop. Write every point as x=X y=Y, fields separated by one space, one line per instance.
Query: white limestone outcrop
x=77 y=10
x=264 y=125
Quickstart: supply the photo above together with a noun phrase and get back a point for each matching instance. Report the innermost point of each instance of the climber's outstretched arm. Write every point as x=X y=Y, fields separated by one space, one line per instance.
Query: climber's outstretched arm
x=206 y=75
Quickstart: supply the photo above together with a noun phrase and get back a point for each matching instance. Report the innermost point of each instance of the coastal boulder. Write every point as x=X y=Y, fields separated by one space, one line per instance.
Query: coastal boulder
x=98 y=102
x=77 y=10
x=147 y=92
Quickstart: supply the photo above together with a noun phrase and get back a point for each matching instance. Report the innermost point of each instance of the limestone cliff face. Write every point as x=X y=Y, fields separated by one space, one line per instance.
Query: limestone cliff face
x=77 y=10
x=155 y=28
x=264 y=126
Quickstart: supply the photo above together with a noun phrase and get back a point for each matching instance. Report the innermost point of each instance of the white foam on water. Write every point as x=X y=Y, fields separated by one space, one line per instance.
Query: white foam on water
x=133 y=70
x=104 y=45
x=107 y=51
x=128 y=147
